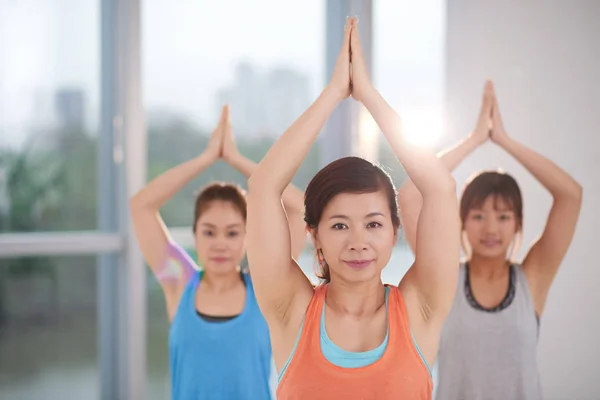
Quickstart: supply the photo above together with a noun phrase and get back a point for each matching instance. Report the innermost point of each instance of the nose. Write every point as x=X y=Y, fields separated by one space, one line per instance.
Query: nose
x=219 y=243
x=357 y=240
x=491 y=225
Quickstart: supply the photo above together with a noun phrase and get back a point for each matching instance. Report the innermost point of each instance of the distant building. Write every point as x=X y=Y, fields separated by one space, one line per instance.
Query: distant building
x=70 y=107
x=264 y=105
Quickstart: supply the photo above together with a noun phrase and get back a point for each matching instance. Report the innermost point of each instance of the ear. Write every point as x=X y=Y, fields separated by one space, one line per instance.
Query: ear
x=314 y=235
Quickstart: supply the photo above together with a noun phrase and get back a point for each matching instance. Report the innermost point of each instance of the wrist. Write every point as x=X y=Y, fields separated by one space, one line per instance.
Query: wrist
x=231 y=156
x=504 y=141
x=476 y=140
x=366 y=94
x=207 y=158
x=332 y=94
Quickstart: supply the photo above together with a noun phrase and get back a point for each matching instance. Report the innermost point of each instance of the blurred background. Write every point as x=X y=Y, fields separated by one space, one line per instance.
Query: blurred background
x=99 y=96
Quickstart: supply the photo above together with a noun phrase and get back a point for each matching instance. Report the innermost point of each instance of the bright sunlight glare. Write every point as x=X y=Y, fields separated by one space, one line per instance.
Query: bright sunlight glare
x=423 y=126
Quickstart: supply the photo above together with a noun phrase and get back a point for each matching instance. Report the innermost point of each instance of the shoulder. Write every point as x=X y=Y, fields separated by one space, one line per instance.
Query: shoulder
x=178 y=264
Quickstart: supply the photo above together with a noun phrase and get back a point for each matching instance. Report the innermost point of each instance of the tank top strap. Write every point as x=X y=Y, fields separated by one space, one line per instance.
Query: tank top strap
x=191 y=286
x=312 y=318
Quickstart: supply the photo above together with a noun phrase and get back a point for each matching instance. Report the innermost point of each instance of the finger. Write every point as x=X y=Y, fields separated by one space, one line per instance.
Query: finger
x=346 y=42
x=487 y=100
x=354 y=37
x=224 y=115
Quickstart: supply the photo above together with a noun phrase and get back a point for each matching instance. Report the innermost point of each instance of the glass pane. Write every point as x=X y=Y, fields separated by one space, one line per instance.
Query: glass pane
x=48 y=328
x=262 y=60
x=269 y=71
x=409 y=69
x=49 y=108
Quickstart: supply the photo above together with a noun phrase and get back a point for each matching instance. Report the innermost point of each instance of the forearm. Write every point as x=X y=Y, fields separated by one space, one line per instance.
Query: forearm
x=243 y=165
x=156 y=193
x=559 y=183
x=422 y=166
x=450 y=157
x=453 y=156
x=285 y=157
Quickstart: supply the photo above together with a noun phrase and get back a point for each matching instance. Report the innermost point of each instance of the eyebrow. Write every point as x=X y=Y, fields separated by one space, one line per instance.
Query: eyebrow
x=370 y=215
x=207 y=224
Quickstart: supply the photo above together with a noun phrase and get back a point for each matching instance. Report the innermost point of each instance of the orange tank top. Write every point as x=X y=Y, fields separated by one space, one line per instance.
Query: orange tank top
x=399 y=374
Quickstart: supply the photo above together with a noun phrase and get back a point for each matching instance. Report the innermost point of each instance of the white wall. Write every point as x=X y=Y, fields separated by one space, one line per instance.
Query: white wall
x=544 y=57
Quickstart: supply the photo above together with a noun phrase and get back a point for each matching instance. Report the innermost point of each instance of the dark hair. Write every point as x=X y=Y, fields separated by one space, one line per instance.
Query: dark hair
x=219 y=191
x=500 y=185
x=346 y=175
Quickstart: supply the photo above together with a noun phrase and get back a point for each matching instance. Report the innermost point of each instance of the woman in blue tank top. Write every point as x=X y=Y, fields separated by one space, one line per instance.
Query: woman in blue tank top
x=219 y=341
x=488 y=344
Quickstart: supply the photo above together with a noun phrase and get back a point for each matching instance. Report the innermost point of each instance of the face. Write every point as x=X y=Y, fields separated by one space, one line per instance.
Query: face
x=220 y=234
x=356 y=236
x=491 y=228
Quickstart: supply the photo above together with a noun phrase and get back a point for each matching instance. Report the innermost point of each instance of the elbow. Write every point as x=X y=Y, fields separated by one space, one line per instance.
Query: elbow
x=255 y=185
x=260 y=185
x=136 y=202
x=577 y=192
x=446 y=187
x=572 y=193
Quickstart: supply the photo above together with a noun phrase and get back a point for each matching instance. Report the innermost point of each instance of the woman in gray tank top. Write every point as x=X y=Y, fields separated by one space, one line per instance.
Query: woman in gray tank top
x=488 y=344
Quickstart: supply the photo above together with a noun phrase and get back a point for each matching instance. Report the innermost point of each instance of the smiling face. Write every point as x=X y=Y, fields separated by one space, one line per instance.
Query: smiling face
x=356 y=236
x=491 y=211
x=220 y=237
x=491 y=228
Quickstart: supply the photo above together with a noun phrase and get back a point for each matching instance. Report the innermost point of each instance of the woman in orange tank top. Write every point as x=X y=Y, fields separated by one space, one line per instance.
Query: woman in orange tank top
x=352 y=337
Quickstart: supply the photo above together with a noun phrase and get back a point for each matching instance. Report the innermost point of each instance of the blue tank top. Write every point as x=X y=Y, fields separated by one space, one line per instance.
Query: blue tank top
x=219 y=360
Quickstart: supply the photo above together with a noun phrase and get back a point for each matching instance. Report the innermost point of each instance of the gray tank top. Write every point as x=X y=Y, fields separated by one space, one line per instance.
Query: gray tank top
x=490 y=354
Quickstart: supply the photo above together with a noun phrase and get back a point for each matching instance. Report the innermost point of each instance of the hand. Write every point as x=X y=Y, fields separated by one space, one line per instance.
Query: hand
x=483 y=129
x=215 y=144
x=498 y=135
x=340 y=81
x=228 y=149
x=361 y=83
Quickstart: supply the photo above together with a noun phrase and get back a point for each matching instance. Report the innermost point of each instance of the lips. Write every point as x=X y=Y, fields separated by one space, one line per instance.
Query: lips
x=219 y=259
x=358 y=264
x=490 y=242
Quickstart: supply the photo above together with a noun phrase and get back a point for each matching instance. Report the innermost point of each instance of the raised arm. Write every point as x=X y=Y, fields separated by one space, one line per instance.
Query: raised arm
x=153 y=237
x=432 y=280
x=282 y=290
x=546 y=254
x=409 y=198
x=293 y=198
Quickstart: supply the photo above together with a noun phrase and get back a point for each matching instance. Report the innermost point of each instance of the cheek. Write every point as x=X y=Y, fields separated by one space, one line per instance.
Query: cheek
x=509 y=230
x=202 y=245
x=331 y=243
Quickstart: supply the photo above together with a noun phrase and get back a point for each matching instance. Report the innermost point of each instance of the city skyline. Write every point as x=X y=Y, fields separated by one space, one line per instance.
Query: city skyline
x=190 y=50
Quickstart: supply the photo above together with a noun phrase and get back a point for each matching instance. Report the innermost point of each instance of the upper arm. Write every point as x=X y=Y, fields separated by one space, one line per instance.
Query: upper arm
x=170 y=264
x=434 y=273
x=298 y=236
x=409 y=203
x=278 y=280
x=545 y=256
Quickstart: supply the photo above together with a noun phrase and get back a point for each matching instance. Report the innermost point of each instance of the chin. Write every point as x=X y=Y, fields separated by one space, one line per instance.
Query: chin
x=366 y=275
x=221 y=269
x=490 y=253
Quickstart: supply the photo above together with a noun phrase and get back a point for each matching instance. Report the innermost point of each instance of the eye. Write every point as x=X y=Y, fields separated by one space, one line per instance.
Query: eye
x=477 y=216
x=208 y=233
x=505 y=217
x=233 y=234
x=339 y=226
x=374 y=225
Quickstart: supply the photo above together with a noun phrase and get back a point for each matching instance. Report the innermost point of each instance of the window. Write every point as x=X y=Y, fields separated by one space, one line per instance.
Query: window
x=48 y=328
x=49 y=108
x=261 y=58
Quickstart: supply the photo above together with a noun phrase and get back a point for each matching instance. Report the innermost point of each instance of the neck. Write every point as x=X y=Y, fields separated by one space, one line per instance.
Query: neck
x=220 y=283
x=356 y=299
x=489 y=268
